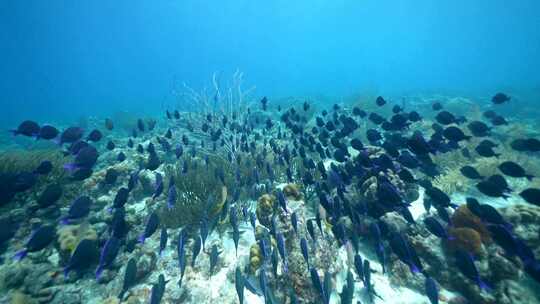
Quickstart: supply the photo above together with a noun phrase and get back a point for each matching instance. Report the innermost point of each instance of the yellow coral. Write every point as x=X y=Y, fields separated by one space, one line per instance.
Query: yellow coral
x=20 y=298
x=255 y=257
x=69 y=236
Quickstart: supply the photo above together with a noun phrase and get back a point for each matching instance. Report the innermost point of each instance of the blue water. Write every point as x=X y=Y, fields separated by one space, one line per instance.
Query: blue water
x=64 y=59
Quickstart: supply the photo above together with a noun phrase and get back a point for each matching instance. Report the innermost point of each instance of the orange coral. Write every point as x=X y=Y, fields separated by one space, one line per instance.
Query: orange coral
x=466 y=239
x=464 y=218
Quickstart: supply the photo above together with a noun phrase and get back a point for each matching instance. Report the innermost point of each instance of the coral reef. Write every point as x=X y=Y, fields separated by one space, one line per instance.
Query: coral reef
x=265 y=209
x=69 y=236
x=292 y=191
x=466 y=239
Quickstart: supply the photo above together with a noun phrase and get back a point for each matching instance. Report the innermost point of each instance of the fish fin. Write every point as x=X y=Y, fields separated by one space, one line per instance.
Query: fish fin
x=20 y=255
x=99 y=271
x=70 y=167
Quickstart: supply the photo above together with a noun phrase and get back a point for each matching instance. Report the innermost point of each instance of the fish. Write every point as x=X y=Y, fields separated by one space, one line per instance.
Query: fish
x=432 y=291
x=172 y=196
x=239 y=284
x=405 y=252
x=158 y=186
x=436 y=228
x=304 y=249
x=197 y=244
x=27 y=128
x=359 y=267
x=70 y=135
x=294 y=222
x=531 y=196
x=380 y=101
x=120 y=198
x=455 y=134
x=121 y=157
x=316 y=282
x=50 y=195
x=158 y=290
x=94 y=136
x=347 y=292
x=214 y=255
x=500 y=98
x=130 y=277
x=111 y=175
x=44 y=168
x=513 y=169
x=465 y=264
x=84 y=255
x=108 y=254
x=78 y=209
x=86 y=158
x=282 y=201
x=470 y=172
x=491 y=189
x=182 y=239
x=47 y=132
x=151 y=226
x=311 y=230
x=163 y=240
x=282 y=250
x=38 y=240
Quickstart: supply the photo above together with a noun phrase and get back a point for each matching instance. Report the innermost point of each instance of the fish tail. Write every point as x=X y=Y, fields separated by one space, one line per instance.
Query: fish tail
x=99 y=271
x=64 y=221
x=70 y=167
x=529 y=177
x=66 y=271
x=141 y=238
x=20 y=255
x=483 y=285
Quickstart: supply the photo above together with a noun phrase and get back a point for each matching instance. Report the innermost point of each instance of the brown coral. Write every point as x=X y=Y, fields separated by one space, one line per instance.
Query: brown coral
x=466 y=239
x=464 y=218
x=265 y=208
x=292 y=191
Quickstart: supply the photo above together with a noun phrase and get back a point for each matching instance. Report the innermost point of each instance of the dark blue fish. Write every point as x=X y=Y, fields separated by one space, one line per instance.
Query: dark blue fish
x=282 y=201
x=108 y=254
x=311 y=230
x=432 y=291
x=294 y=222
x=316 y=282
x=359 y=267
x=158 y=186
x=304 y=249
x=197 y=245
x=465 y=264
x=214 y=255
x=182 y=238
x=120 y=199
x=39 y=239
x=158 y=290
x=435 y=227
x=239 y=283
x=405 y=252
x=204 y=230
x=79 y=208
x=282 y=251
x=171 y=197
x=163 y=240
x=130 y=277
x=151 y=225
x=347 y=293
x=84 y=255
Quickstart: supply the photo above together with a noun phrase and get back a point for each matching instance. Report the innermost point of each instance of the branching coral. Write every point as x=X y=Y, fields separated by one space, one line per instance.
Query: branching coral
x=201 y=192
